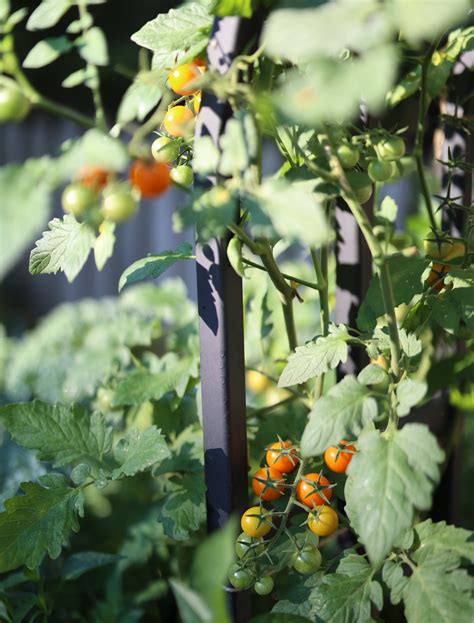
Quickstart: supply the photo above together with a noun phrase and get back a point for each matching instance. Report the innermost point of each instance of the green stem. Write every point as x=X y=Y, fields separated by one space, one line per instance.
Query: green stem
x=303 y=282
x=420 y=134
x=321 y=270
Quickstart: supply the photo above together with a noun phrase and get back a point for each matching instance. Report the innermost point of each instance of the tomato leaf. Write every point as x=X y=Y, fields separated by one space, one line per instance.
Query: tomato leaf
x=93 y=47
x=47 y=14
x=317 y=357
x=183 y=510
x=153 y=266
x=139 y=451
x=340 y=414
x=59 y=433
x=38 y=522
x=441 y=537
x=140 y=98
x=346 y=595
x=242 y=8
x=391 y=477
x=47 y=51
x=406 y=276
x=409 y=393
x=66 y=246
x=77 y=564
x=104 y=244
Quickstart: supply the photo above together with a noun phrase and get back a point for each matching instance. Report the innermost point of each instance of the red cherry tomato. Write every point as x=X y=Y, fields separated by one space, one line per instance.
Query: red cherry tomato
x=96 y=178
x=151 y=178
x=309 y=490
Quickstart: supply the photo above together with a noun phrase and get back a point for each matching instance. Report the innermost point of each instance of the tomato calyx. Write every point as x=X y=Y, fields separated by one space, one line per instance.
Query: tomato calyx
x=314 y=489
x=268 y=483
x=282 y=455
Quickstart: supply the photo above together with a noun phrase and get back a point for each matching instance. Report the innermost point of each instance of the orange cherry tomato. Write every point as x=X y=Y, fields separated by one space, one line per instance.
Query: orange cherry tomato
x=178 y=121
x=95 y=178
x=309 y=492
x=182 y=77
x=197 y=101
x=151 y=178
x=435 y=278
x=200 y=62
x=267 y=482
x=337 y=460
x=282 y=456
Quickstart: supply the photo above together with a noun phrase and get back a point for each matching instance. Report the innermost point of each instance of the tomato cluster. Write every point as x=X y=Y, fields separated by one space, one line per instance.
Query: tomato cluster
x=444 y=249
x=310 y=490
x=367 y=158
x=172 y=149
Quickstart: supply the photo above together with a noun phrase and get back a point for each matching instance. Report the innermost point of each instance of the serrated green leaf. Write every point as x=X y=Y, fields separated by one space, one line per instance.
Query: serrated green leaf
x=38 y=522
x=59 y=433
x=381 y=502
x=316 y=358
x=140 y=98
x=93 y=47
x=440 y=537
x=139 y=451
x=104 y=244
x=66 y=246
x=340 y=414
x=409 y=393
x=47 y=51
x=82 y=562
x=406 y=276
x=372 y=374
x=153 y=266
x=142 y=385
x=304 y=223
x=332 y=90
x=183 y=510
x=175 y=35
x=47 y=14
x=346 y=595
x=28 y=185
x=242 y=8
x=409 y=343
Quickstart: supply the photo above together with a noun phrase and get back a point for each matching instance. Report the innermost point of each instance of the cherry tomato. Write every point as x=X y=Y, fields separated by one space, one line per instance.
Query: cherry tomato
x=255 y=522
x=105 y=398
x=337 y=460
x=266 y=484
x=380 y=170
x=77 y=199
x=118 y=204
x=197 y=101
x=200 y=62
x=361 y=185
x=240 y=578
x=164 y=149
x=282 y=456
x=151 y=178
x=182 y=77
x=95 y=178
x=248 y=547
x=14 y=105
x=308 y=492
x=444 y=248
x=182 y=175
x=308 y=560
x=257 y=382
x=392 y=148
x=325 y=522
x=348 y=155
x=264 y=586
x=179 y=121
x=436 y=276
x=380 y=361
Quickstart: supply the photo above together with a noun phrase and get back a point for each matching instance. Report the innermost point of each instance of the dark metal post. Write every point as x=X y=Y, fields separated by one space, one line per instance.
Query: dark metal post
x=221 y=327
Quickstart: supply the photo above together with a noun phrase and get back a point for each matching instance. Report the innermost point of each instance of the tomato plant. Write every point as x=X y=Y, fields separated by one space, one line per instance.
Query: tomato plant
x=328 y=187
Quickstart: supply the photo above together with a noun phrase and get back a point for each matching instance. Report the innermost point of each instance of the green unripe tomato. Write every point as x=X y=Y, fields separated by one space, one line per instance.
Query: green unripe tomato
x=361 y=185
x=264 y=586
x=118 y=204
x=240 y=578
x=77 y=199
x=397 y=170
x=380 y=170
x=247 y=546
x=105 y=398
x=348 y=155
x=308 y=560
x=164 y=149
x=182 y=175
x=14 y=105
x=392 y=148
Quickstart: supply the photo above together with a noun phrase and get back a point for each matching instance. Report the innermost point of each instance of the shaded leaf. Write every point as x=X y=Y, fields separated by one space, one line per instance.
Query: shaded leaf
x=82 y=562
x=46 y=51
x=139 y=450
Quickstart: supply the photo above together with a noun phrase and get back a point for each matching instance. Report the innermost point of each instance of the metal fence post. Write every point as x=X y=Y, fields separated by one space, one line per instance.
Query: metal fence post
x=220 y=306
